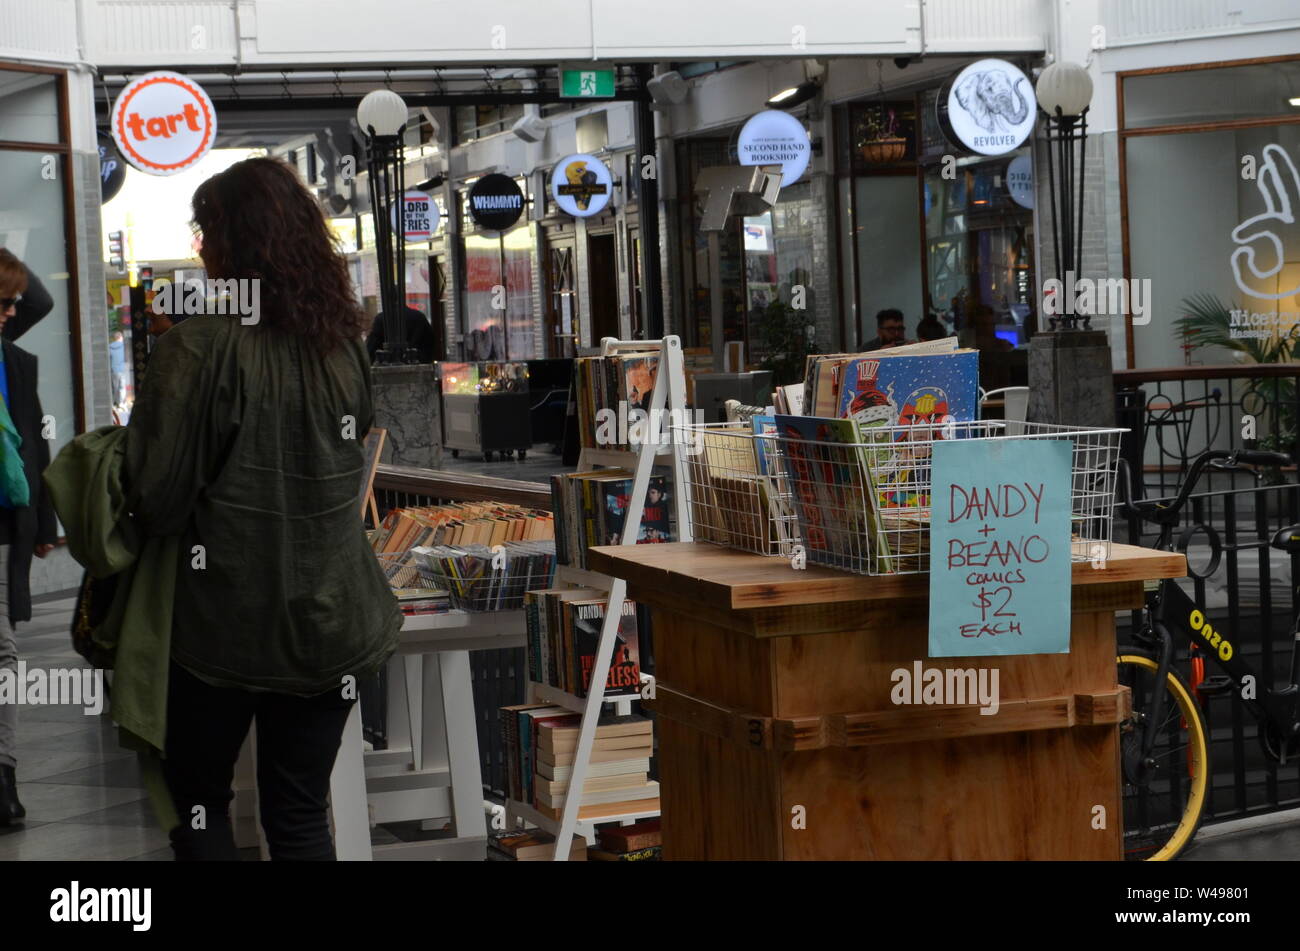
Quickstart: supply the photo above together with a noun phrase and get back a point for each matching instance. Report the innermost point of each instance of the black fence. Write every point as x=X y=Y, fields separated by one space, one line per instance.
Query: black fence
x=1251 y=592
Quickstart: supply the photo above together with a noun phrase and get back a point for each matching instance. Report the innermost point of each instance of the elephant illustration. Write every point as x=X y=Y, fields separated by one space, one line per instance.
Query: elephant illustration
x=993 y=100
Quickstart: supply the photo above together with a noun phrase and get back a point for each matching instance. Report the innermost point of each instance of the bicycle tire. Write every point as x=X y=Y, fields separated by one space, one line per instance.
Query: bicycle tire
x=1197 y=744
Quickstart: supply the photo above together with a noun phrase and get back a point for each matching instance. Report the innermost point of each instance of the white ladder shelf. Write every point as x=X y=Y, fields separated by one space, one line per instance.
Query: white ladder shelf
x=669 y=400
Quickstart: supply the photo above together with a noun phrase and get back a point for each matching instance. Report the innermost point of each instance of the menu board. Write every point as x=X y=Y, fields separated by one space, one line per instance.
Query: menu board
x=1000 y=547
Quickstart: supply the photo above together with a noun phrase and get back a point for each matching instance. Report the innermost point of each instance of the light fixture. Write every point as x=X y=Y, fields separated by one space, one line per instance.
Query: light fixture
x=814 y=75
x=1064 y=93
x=1295 y=101
x=668 y=89
x=382 y=113
x=382 y=117
x=1064 y=89
x=794 y=96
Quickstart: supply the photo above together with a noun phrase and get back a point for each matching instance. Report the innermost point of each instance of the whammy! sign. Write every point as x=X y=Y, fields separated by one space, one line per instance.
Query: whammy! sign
x=163 y=123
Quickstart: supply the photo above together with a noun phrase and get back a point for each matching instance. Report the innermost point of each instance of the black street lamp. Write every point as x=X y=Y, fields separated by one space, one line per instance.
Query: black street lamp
x=382 y=118
x=1064 y=93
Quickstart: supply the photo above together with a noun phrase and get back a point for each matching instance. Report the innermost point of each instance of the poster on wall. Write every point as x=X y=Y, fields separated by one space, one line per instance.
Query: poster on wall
x=989 y=107
x=163 y=123
x=581 y=185
x=1000 y=547
x=773 y=137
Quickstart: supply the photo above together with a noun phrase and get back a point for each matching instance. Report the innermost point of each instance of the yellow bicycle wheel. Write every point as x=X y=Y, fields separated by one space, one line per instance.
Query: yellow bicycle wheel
x=1163 y=802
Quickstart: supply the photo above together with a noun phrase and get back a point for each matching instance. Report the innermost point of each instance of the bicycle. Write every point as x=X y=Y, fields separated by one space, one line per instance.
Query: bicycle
x=1164 y=751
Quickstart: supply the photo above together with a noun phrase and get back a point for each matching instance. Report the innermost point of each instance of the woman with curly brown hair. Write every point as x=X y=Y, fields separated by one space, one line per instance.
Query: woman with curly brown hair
x=246 y=444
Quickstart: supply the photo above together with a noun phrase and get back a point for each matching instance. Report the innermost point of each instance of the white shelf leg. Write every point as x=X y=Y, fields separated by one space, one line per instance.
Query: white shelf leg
x=462 y=744
x=348 y=806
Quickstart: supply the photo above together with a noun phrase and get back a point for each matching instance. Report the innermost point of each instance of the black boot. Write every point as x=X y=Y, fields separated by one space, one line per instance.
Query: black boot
x=11 y=809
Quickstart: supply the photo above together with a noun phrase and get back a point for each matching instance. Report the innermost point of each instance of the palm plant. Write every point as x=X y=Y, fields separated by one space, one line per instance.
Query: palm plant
x=1207 y=322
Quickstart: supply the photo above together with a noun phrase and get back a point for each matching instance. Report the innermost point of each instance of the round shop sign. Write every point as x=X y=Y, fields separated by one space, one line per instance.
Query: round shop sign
x=163 y=123
x=420 y=217
x=112 y=168
x=774 y=137
x=1020 y=181
x=495 y=202
x=989 y=107
x=581 y=185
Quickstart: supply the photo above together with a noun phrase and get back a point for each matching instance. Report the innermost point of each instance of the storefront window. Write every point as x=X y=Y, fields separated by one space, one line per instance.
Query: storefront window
x=32 y=228
x=498 y=295
x=1186 y=199
x=762 y=259
x=979 y=255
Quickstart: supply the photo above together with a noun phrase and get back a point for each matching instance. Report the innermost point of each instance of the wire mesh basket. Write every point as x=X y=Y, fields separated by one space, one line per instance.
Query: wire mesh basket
x=863 y=504
x=738 y=498
x=479 y=579
x=404 y=569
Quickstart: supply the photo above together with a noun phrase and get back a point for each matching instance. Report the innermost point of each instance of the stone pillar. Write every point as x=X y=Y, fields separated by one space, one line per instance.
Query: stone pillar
x=1070 y=380
x=408 y=406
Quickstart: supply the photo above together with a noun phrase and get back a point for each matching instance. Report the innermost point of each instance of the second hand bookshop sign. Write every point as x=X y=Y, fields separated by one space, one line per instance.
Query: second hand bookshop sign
x=1000 y=548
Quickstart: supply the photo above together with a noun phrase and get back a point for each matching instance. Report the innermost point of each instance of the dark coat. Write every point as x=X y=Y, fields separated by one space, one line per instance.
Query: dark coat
x=34 y=524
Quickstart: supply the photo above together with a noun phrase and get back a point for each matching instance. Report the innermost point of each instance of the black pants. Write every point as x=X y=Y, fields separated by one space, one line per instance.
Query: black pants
x=297 y=741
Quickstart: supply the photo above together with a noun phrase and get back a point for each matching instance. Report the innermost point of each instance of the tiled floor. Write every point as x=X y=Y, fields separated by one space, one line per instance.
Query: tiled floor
x=84 y=799
x=82 y=792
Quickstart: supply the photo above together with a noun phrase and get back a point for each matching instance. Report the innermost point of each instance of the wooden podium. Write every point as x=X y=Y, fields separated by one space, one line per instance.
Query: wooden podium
x=778 y=737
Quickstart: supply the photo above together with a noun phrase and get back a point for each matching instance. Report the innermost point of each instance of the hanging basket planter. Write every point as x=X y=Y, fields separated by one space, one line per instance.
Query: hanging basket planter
x=883 y=151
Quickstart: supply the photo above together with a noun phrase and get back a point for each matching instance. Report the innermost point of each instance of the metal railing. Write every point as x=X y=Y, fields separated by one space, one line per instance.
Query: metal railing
x=1250 y=592
x=1176 y=413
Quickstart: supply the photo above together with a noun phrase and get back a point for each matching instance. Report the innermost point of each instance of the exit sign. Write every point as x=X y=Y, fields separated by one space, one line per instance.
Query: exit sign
x=587 y=83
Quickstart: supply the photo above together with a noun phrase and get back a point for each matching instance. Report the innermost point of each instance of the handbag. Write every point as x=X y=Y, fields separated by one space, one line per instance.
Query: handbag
x=94 y=599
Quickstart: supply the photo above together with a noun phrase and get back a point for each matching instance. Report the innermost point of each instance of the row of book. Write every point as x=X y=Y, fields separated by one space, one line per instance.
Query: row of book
x=607 y=389
x=478 y=578
x=460 y=523
x=639 y=842
x=541 y=743
x=591 y=509
x=564 y=627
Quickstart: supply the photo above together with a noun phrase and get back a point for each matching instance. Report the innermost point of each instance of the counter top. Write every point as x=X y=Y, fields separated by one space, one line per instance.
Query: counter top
x=728 y=580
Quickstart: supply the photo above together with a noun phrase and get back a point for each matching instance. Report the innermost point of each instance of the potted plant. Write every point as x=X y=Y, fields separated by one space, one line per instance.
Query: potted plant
x=880 y=141
x=785 y=337
x=1208 y=322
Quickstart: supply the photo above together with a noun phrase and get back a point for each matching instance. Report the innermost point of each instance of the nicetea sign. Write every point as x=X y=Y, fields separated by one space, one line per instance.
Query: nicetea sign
x=1000 y=547
x=163 y=123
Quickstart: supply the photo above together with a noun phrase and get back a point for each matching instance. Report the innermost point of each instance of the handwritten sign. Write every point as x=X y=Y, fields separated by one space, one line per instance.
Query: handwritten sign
x=1000 y=548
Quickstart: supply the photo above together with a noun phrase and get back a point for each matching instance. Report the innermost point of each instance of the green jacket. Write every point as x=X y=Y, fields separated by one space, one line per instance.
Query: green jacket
x=247 y=446
x=85 y=484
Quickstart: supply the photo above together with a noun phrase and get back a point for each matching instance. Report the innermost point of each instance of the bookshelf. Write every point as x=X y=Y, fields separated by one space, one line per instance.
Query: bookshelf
x=669 y=400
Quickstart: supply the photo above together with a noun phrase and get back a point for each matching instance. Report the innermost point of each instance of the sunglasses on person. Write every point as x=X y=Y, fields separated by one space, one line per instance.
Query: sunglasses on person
x=7 y=302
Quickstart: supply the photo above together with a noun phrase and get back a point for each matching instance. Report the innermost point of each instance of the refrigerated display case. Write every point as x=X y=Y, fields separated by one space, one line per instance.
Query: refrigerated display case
x=485 y=408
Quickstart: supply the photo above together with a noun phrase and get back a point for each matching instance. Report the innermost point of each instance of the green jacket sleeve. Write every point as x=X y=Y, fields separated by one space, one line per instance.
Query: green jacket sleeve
x=181 y=424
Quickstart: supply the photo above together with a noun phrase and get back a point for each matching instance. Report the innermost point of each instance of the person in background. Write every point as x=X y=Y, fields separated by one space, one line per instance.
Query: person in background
x=27 y=523
x=248 y=441
x=930 y=328
x=890 y=331
x=419 y=334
